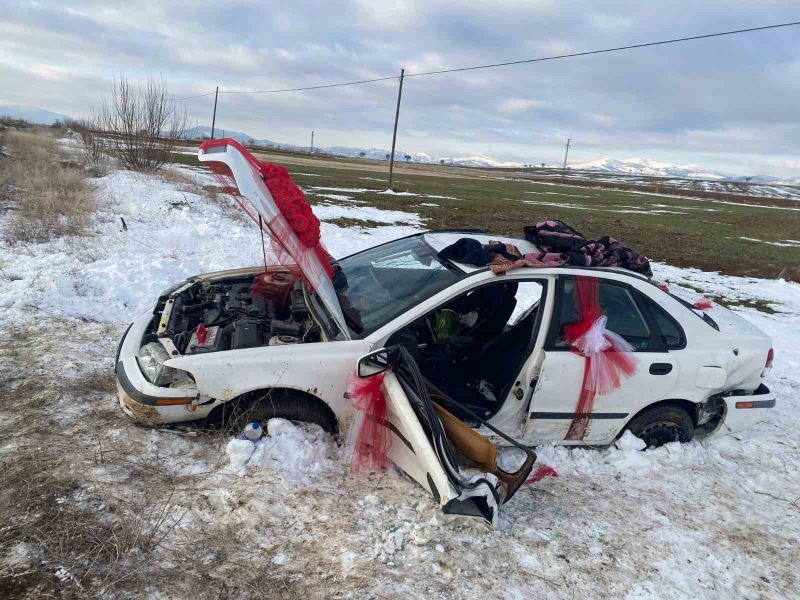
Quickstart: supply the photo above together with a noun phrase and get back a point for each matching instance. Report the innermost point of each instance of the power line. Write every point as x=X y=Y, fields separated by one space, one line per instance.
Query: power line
x=605 y=50
x=508 y=63
x=298 y=89
x=312 y=87
x=198 y=96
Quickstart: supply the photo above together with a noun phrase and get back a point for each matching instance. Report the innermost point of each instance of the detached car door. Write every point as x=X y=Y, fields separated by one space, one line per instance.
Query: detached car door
x=419 y=445
x=644 y=325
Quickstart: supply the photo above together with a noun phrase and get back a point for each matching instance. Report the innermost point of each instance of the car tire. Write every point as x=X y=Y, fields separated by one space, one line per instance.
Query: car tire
x=661 y=425
x=269 y=404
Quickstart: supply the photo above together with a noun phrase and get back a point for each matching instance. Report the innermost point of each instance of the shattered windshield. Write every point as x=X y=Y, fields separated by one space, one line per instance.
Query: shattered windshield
x=376 y=285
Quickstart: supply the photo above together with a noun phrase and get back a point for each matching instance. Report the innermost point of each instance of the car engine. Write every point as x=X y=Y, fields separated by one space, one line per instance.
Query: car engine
x=266 y=309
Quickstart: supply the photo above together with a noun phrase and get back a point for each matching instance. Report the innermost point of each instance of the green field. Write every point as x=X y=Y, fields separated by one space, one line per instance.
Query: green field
x=704 y=233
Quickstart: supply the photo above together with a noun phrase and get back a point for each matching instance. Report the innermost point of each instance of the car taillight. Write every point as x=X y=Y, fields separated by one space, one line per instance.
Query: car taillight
x=768 y=364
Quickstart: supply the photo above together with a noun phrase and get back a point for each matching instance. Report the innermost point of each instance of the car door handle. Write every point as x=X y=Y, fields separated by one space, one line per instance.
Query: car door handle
x=660 y=368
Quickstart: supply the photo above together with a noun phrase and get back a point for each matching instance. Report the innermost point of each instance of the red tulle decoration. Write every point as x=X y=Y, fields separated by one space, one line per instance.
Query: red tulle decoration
x=541 y=472
x=296 y=216
x=608 y=357
x=368 y=440
x=703 y=304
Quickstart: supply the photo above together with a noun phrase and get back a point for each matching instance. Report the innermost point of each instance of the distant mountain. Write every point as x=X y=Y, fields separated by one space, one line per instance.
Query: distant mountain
x=646 y=166
x=31 y=114
x=419 y=157
x=204 y=132
x=766 y=180
x=627 y=166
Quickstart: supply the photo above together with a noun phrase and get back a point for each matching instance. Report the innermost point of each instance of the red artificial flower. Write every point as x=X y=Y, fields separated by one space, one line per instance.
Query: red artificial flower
x=291 y=201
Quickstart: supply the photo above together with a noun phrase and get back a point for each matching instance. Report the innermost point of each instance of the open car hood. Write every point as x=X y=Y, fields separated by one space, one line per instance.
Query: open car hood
x=247 y=178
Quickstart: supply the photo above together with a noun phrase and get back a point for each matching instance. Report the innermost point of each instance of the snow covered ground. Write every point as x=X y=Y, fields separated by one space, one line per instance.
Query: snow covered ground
x=710 y=519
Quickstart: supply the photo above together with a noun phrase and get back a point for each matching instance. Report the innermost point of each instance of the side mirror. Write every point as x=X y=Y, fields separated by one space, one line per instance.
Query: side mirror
x=373 y=363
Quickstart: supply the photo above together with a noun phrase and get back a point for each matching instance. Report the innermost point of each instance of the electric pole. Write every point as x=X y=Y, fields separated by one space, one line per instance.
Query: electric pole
x=566 y=154
x=396 y=118
x=312 y=141
x=214 y=118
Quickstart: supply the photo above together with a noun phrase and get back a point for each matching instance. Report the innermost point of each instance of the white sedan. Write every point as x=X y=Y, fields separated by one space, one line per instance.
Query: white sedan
x=212 y=349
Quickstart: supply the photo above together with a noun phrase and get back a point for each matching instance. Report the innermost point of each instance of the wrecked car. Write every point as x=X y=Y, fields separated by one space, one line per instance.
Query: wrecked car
x=493 y=350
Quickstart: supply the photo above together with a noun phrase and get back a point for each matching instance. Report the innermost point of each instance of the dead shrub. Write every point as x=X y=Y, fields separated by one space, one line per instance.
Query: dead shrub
x=142 y=124
x=51 y=199
x=94 y=151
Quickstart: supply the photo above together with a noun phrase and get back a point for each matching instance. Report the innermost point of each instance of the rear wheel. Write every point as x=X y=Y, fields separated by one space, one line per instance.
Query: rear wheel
x=661 y=425
x=263 y=405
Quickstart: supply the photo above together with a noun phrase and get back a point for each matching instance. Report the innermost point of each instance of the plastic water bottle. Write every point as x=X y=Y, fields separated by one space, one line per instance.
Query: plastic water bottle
x=253 y=431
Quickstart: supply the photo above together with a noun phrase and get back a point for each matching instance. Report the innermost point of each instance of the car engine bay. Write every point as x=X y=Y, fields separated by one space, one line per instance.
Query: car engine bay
x=206 y=315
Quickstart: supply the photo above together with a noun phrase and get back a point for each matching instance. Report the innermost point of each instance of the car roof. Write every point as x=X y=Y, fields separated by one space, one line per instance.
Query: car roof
x=440 y=239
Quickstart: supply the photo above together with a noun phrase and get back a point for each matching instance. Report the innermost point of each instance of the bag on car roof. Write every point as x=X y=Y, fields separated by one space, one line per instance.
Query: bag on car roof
x=555 y=235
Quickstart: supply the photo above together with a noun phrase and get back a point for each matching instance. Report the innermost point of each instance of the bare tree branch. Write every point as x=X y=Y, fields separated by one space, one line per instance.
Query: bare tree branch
x=143 y=124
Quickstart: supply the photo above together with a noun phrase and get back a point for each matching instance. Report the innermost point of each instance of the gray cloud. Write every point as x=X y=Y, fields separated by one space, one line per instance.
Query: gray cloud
x=727 y=103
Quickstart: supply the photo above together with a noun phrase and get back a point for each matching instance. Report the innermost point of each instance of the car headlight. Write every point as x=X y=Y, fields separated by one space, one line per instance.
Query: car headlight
x=151 y=358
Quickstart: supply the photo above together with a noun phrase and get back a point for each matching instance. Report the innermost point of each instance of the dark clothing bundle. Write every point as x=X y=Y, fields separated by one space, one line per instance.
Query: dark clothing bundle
x=472 y=252
x=557 y=236
x=560 y=245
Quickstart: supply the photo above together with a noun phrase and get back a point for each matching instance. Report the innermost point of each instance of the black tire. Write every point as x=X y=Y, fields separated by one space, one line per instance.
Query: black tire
x=267 y=404
x=661 y=425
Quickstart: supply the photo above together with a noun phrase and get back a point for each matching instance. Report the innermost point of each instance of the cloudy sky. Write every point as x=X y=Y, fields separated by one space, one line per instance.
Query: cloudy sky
x=729 y=103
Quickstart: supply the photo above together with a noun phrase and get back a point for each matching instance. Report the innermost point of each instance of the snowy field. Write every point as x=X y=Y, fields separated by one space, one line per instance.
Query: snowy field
x=759 y=190
x=714 y=519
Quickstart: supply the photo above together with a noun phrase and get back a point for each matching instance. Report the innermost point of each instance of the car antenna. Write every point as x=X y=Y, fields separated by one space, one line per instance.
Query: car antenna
x=263 y=247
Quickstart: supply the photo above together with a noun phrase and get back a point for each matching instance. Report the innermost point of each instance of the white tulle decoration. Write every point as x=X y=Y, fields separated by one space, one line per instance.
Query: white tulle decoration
x=601 y=346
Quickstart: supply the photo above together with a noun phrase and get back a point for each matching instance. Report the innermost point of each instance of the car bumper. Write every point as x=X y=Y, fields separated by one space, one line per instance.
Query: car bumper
x=141 y=400
x=743 y=411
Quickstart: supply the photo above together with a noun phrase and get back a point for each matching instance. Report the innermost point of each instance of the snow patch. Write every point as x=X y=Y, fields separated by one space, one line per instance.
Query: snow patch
x=366 y=213
x=390 y=192
x=293 y=451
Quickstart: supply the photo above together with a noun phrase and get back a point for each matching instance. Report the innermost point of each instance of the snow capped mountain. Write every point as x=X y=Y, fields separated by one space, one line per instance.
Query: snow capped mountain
x=419 y=157
x=646 y=166
x=31 y=114
x=204 y=132
x=627 y=166
x=787 y=180
x=479 y=161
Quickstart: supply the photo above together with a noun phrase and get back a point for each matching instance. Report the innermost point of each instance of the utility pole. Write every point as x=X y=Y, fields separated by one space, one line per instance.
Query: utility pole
x=396 y=117
x=566 y=153
x=214 y=118
x=312 y=141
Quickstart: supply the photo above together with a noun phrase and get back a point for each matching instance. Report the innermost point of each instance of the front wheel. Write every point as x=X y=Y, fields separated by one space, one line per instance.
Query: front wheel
x=661 y=425
x=267 y=404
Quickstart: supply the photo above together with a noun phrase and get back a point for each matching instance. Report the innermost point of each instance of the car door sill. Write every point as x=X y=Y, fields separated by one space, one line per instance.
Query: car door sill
x=571 y=415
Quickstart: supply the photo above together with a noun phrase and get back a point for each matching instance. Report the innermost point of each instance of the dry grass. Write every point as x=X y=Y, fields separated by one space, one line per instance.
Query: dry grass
x=78 y=516
x=62 y=533
x=50 y=199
